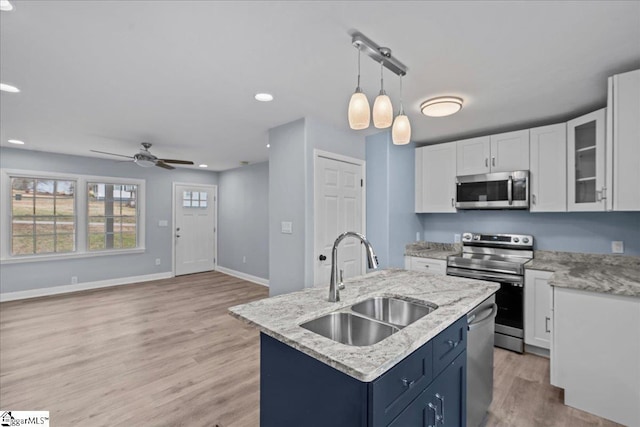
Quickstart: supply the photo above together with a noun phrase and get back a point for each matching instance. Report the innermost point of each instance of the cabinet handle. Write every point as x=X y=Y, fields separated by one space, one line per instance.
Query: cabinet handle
x=493 y=161
x=546 y=324
x=533 y=199
x=407 y=383
x=452 y=343
x=453 y=203
x=486 y=162
x=441 y=399
x=436 y=417
x=426 y=266
x=598 y=196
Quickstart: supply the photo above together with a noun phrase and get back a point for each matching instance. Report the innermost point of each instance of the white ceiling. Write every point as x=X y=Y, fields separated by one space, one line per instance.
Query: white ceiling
x=106 y=75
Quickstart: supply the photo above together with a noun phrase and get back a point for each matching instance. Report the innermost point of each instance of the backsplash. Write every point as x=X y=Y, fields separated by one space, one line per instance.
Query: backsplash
x=586 y=232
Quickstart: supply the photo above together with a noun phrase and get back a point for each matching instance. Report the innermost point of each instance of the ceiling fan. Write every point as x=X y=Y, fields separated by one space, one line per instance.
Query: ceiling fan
x=145 y=159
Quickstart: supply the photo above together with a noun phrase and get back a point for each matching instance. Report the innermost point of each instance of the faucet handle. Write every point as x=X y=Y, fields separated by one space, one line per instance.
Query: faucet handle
x=341 y=284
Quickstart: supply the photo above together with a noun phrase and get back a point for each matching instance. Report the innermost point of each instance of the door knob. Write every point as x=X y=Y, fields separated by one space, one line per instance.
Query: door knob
x=322 y=257
x=177 y=235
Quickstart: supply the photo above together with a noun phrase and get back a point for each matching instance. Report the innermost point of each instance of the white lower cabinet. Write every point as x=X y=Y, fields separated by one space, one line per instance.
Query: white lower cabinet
x=537 y=308
x=595 y=353
x=427 y=265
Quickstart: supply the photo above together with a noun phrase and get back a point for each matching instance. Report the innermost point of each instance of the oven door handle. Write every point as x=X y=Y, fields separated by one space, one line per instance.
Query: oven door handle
x=473 y=323
x=486 y=276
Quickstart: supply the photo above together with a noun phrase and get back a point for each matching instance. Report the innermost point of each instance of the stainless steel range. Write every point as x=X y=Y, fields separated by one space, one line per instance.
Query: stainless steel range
x=498 y=258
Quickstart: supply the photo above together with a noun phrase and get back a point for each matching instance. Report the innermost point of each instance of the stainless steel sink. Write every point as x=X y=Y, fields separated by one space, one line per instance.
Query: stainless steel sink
x=348 y=328
x=396 y=311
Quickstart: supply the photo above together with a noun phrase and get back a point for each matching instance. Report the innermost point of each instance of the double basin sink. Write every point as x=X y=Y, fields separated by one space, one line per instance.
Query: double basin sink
x=376 y=319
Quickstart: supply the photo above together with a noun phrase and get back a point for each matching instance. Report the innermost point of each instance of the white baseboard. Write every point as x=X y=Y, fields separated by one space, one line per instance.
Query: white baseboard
x=33 y=293
x=245 y=276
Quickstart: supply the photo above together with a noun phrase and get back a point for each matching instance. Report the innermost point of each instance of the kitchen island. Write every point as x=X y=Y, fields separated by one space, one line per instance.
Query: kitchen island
x=307 y=379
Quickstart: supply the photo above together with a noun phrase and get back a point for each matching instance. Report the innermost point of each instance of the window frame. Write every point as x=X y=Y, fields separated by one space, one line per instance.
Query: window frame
x=82 y=213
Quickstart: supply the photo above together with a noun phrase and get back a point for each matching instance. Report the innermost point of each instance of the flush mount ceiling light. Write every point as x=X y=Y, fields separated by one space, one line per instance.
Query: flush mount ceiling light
x=8 y=88
x=263 y=97
x=15 y=141
x=441 y=106
x=359 y=116
x=5 y=6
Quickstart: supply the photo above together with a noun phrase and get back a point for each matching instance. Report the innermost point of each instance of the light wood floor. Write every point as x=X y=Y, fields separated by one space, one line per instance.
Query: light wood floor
x=166 y=353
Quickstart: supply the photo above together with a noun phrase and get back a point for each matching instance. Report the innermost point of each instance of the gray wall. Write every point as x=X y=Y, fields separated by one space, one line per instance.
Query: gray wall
x=391 y=222
x=243 y=219
x=590 y=232
x=44 y=274
x=291 y=260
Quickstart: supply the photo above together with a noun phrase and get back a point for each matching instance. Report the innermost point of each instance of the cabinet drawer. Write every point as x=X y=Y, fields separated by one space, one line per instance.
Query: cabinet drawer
x=394 y=390
x=435 y=266
x=449 y=344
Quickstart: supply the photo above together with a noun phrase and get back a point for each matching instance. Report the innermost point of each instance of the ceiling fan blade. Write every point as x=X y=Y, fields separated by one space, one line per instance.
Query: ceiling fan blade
x=178 y=162
x=162 y=164
x=111 y=154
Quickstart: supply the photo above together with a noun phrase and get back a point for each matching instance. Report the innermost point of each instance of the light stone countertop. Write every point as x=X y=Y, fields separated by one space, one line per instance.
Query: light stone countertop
x=610 y=274
x=280 y=317
x=432 y=250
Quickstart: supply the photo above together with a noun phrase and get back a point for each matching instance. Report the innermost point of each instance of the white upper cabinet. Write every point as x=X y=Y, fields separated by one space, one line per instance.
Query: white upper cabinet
x=473 y=156
x=503 y=152
x=435 y=178
x=586 y=190
x=623 y=142
x=510 y=151
x=548 y=173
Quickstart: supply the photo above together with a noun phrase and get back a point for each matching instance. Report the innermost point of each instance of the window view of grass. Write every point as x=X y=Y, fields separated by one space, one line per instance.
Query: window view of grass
x=112 y=216
x=42 y=216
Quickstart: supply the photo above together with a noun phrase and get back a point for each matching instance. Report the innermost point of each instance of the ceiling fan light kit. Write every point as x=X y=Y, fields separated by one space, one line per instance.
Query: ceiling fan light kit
x=359 y=113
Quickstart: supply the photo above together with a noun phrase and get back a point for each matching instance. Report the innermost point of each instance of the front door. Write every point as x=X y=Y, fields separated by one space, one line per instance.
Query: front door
x=195 y=228
x=338 y=208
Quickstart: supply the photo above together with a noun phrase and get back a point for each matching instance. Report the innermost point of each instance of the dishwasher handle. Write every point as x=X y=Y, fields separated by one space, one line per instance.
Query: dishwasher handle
x=472 y=323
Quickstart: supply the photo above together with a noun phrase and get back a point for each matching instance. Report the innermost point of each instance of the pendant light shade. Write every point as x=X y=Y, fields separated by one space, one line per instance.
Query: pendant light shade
x=401 y=131
x=359 y=110
x=382 y=108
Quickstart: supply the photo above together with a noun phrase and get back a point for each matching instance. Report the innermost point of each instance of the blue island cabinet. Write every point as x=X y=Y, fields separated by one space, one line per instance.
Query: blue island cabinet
x=426 y=388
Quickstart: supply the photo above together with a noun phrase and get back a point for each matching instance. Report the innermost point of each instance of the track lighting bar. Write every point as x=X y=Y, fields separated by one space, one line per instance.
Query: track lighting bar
x=378 y=54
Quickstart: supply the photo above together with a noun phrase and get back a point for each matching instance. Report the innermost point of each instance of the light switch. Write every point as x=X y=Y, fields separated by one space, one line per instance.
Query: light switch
x=287 y=227
x=163 y=223
x=617 y=247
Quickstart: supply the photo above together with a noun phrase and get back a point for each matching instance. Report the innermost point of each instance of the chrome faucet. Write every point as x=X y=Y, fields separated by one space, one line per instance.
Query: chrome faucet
x=334 y=293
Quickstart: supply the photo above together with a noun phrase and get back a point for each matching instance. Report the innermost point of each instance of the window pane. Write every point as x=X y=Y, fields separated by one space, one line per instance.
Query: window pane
x=129 y=240
x=186 y=195
x=22 y=246
x=44 y=244
x=203 y=203
x=203 y=195
x=22 y=226
x=186 y=203
x=96 y=241
x=64 y=205
x=195 y=204
x=65 y=243
x=44 y=205
x=44 y=225
x=65 y=225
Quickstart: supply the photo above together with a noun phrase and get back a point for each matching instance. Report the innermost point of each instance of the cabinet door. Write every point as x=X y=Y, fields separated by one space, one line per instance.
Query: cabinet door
x=438 y=175
x=585 y=162
x=473 y=156
x=510 y=151
x=623 y=141
x=537 y=308
x=548 y=173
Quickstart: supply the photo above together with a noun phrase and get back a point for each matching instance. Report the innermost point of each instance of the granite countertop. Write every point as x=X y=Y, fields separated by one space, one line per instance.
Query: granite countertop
x=432 y=249
x=610 y=274
x=280 y=317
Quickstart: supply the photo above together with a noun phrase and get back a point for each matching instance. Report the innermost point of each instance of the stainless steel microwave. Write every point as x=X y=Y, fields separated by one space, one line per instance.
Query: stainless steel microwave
x=501 y=190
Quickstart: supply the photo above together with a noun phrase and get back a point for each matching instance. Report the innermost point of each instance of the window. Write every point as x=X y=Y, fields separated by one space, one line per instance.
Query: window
x=52 y=216
x=194 y=199
x=112 y=215
x=43 y=216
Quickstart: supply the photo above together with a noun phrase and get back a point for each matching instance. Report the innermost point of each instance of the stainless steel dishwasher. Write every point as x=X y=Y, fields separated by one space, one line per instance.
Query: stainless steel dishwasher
x=481 y=324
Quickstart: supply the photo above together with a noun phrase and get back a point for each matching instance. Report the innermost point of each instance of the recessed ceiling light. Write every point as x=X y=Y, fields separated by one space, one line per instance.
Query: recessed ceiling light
x=268 y=145
x=263 y=97
x=8 y=88
x=203 y=166
x=441 y=106
x=15 y=141
x=5 y=6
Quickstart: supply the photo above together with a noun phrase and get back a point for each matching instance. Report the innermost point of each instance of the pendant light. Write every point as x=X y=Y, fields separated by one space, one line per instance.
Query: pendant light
x=382 y=108
x=359 y=110
x=401 y=131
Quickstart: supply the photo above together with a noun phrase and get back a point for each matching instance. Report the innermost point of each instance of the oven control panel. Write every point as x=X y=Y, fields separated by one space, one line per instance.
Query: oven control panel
x=498 y=240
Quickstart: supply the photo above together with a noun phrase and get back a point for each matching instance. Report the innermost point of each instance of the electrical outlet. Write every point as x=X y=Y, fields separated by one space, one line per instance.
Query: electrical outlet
x=617 y=247
x=74 y=280
x=456 y=238
x=157 y=261
x=417 y=236
x=286 y=227
x=244 y=259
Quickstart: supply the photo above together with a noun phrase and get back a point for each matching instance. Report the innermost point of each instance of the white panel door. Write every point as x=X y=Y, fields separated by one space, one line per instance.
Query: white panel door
x=548 y=174
x=438 y=177
x=194 y=234
x=510 y=151
x=338 y=208
x=473 y=156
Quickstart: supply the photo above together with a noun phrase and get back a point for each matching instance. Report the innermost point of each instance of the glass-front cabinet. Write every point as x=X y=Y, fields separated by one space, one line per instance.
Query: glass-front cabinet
x=586 y=162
